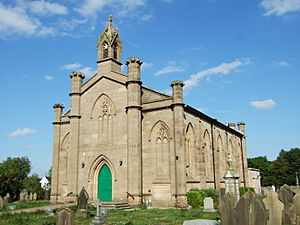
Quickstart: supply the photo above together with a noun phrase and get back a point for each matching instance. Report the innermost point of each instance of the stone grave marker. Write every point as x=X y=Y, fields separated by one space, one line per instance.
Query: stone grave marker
x=200 y=222
x=274 y=207
x=34 y=196
x=227 y=209
x=83 y=200
x=295 y=210
x=30 y=196
x=208 y=205
x=1 y=203
x=6 y=198
x=22 y=196
x=65 y=216
x=221 y=195
x=25 y=196
x=286 y=195
x=99 y=218
x=250 y=210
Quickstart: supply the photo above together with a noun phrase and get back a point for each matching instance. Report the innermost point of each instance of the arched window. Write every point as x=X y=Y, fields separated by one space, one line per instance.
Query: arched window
x=105 y=50
x=116 y=50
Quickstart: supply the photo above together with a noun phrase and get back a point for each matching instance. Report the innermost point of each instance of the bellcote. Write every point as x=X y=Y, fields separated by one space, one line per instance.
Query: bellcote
x=109 y=48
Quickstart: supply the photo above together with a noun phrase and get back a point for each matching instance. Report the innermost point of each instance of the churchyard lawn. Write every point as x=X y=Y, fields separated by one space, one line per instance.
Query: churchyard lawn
x=25 y=205
x=137 y=217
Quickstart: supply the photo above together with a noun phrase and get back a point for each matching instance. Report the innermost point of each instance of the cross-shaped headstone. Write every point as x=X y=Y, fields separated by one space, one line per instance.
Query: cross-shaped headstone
x=99 y=218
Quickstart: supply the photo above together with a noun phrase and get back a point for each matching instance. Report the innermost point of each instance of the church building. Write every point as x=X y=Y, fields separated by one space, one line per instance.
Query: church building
x=124 y=142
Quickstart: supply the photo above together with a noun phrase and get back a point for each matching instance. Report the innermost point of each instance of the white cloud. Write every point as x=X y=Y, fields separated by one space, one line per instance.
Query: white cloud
x=90 y=8
x=28 y=147
x=146 y=65
x=22 y=132
x=71 y=66
x=47 y=8
x=88 y=71
x=147 y=17
x=172 y=67
x=263 y=104
x=280 y=7
x=224 y=68
x=48 y=77
x=167 y=1
x=15 y=20
x=281 y=63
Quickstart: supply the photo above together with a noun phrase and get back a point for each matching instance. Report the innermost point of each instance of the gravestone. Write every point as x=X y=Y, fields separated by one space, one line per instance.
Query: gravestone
x=83 y=200
x=200 y=222
x=231 y=179
x=22 y=196
x=221 y=195
x=34 y=196
x=99 y=218
x=1 y=203
x=208 y=205
x=65 y=217
x=227 y=209
x=6 y=198
x=25 y=196
x=30 y=196
x=250 y=210
x=295 y=210
x=286 y=195
x=274 y=207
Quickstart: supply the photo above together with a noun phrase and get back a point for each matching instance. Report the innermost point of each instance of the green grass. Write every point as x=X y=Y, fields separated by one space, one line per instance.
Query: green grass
x=26 y=204
x=137 y=217
x=157 y=216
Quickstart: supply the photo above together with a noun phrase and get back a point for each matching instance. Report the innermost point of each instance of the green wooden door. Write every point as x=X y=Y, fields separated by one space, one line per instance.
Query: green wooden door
x=104 y=184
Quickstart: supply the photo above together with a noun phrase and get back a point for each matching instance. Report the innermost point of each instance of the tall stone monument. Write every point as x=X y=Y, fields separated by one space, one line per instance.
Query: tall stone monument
x=231 y=179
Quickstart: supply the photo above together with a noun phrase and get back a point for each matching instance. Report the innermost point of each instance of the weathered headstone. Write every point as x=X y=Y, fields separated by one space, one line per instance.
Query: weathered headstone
x=65 y=216
x=30 y=196
x=286 y=195
x=227 y=209
x=22 y=196
x=25 y=196
x=200 y=222
x=34 y=196
x=99 y=218
x=295 y=210
x=221 y=195
x=208 y=205
x=6 y=198
x=274 y=207
x=250 y=210
x=83 y=200
x=1 y=203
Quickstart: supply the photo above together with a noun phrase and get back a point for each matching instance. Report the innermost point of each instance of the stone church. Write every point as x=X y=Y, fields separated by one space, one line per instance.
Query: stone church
x=125 y=142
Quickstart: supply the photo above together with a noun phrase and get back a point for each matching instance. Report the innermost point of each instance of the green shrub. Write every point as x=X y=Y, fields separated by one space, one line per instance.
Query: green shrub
x=194 y=199
x=244 y=190
x=213 y=193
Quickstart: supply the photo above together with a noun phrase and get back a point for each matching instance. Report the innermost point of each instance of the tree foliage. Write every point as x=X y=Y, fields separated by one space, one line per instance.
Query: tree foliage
x=280 y=171
x=32 y=185
x=13 y=171
x=285 y=167
x=265 y=167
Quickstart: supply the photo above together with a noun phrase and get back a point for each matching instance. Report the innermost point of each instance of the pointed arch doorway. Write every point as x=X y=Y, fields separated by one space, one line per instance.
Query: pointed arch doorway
x=105 y=184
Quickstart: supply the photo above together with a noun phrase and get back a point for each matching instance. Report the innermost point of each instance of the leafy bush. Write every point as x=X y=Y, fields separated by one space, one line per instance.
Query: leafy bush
x=213 y=193
x=194 y=199
x=244 y=190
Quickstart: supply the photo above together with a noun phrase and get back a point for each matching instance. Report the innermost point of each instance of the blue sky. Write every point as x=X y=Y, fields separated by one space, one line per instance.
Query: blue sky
x=238 y=59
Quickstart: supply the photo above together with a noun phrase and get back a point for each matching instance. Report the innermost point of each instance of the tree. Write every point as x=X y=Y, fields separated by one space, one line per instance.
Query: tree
x=32 y=185
x=13 y=171
x=286 y=165
x=265 y=167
